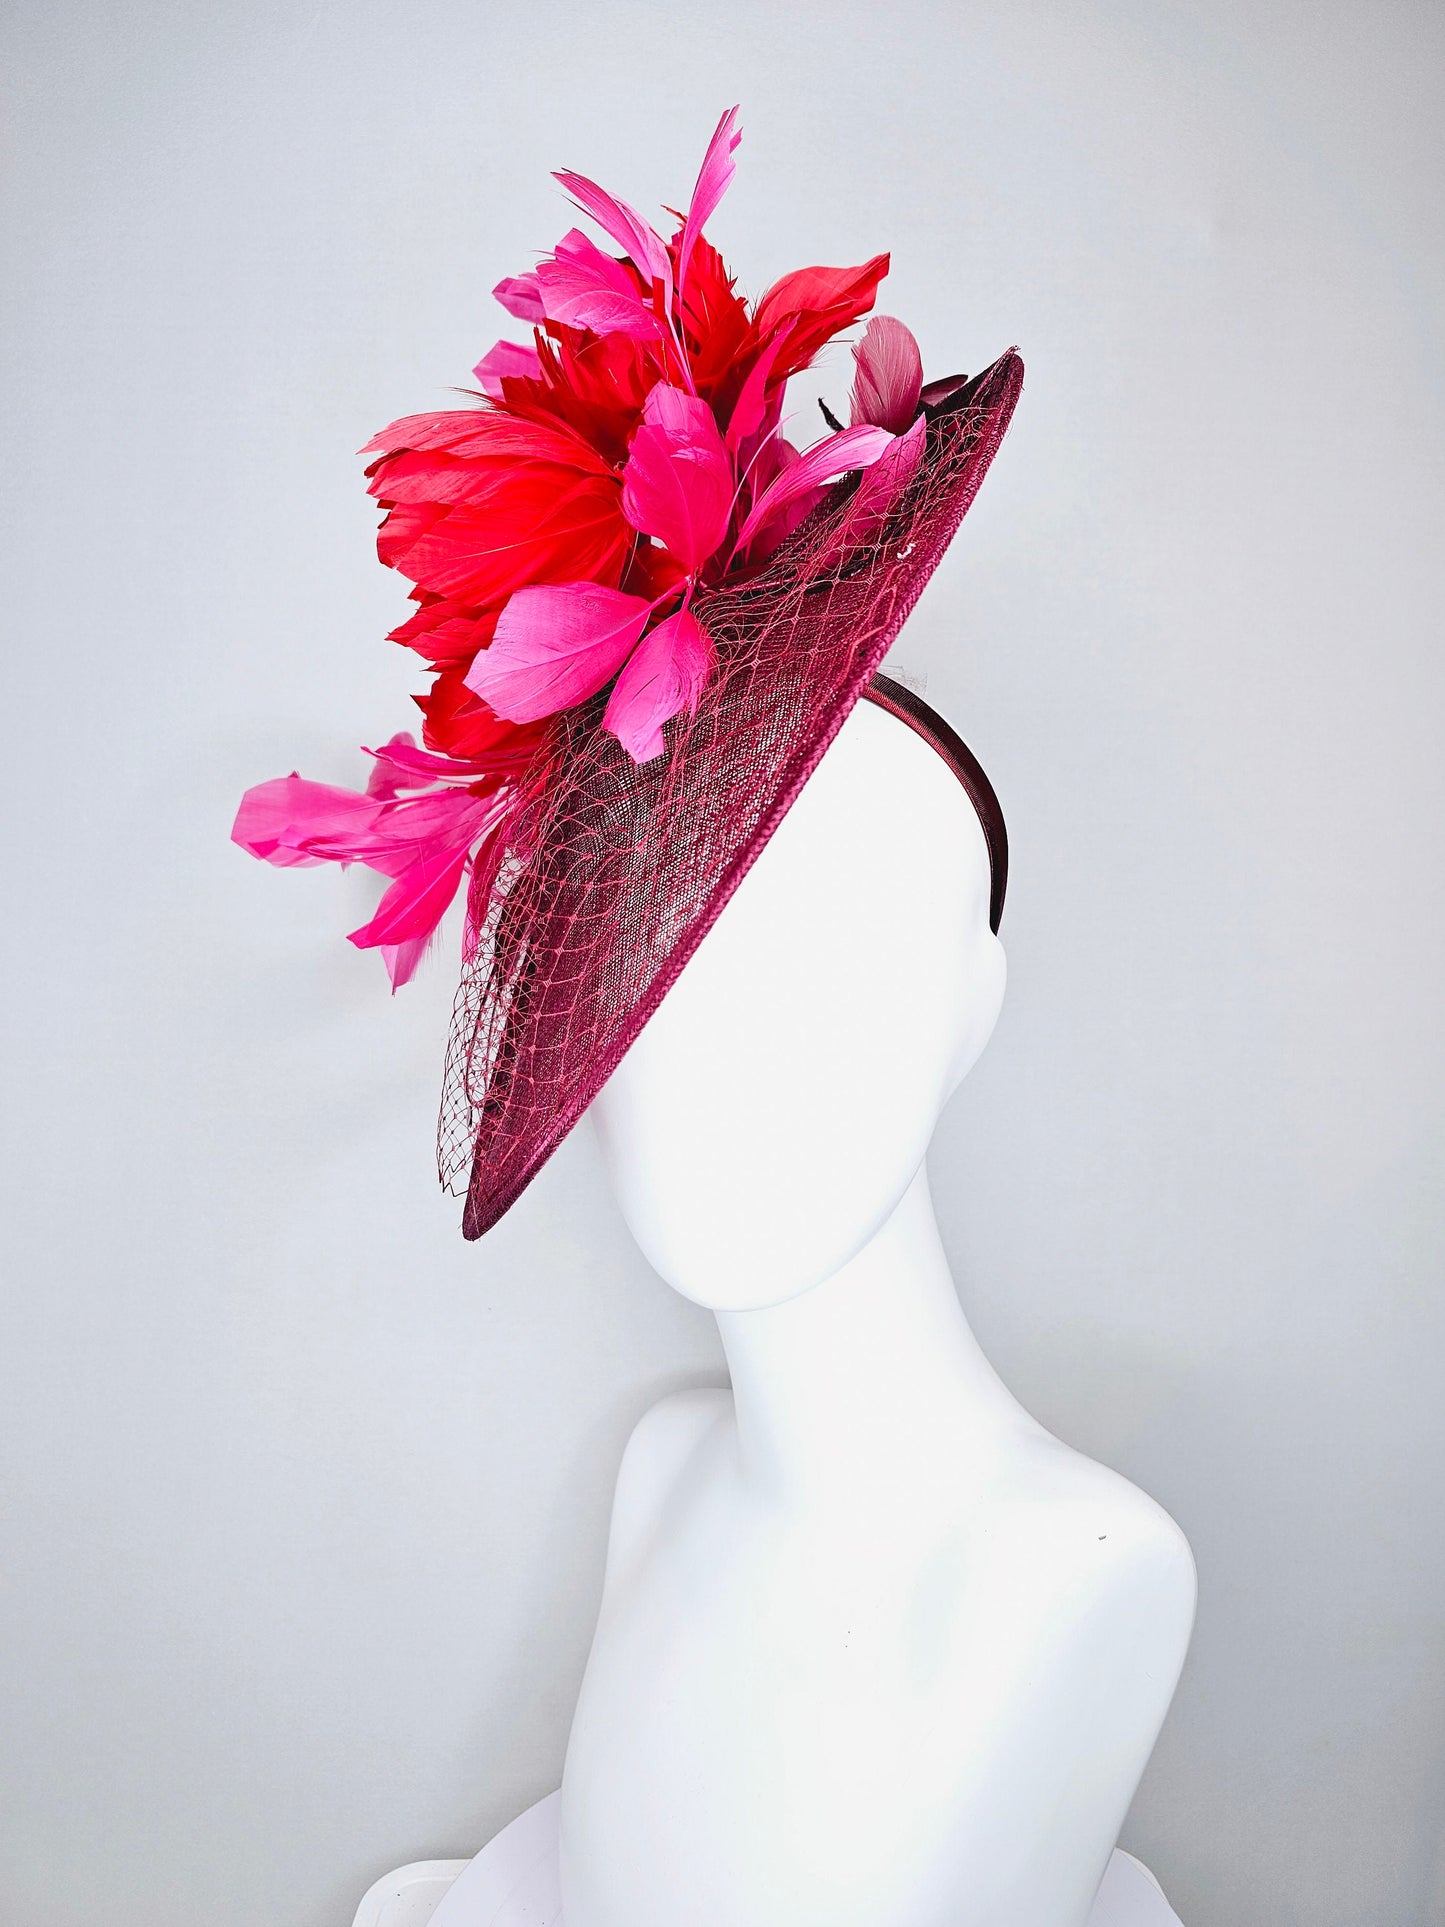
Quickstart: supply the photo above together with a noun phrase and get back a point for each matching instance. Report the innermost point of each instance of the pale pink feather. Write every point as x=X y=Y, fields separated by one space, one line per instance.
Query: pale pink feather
x=666 y=673
x=556 y=645
x=678 y=483
x=888 y=375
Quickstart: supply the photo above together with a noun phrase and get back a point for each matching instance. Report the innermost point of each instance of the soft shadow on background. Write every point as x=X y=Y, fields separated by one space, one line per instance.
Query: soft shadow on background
x=305 y=1499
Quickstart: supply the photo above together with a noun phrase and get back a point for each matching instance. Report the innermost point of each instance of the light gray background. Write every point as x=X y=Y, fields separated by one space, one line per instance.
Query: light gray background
x=305 y=1498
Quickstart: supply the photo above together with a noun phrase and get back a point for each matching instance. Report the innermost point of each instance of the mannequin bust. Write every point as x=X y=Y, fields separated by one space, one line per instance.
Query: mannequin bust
x=875 y=1650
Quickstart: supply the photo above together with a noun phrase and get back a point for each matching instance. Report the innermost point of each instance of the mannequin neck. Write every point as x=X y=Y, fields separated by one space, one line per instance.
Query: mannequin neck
x=870 y=1381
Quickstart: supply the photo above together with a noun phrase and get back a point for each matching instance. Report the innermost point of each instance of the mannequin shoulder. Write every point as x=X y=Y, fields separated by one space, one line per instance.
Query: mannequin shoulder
x=1091 y=1514
x=666 y=1435
x=663 y=1442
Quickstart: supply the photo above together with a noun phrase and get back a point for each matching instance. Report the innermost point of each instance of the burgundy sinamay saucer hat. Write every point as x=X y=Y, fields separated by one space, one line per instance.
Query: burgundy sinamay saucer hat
x=647 y=617
x=631 y=864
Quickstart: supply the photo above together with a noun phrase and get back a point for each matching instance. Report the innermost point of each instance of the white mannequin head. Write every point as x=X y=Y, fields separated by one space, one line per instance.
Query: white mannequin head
x=776 y=1107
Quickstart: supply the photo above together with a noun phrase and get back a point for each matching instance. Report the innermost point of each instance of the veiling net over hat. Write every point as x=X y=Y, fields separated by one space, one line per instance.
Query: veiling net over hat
x=629 y=864
x=646 y=614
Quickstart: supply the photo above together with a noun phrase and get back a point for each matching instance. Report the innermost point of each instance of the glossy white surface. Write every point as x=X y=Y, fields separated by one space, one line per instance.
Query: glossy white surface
x=411 y=1896
x=875 y=1650
x=513 y=1883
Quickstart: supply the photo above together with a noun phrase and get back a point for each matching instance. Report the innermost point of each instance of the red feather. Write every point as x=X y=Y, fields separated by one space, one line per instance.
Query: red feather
x=456 y=722
x=482 y=502
x=811 y=305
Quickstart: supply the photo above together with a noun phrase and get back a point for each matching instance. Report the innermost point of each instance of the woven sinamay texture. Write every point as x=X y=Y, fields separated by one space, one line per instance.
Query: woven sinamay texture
x=615 y=871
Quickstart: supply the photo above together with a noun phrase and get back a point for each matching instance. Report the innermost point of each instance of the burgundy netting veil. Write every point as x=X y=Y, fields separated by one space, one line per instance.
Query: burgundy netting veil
x=614 y=871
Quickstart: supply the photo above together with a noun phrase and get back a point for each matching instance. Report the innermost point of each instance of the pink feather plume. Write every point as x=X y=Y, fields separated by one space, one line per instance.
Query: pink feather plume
x=521 y=296
x=665 y=674
x=421 y=843
x=824 y=462
x=506 y=358
x=888 y=375
x=678 y=483
x=584 y=288
x=713 y=179
x=556 y=645
x=628 y=229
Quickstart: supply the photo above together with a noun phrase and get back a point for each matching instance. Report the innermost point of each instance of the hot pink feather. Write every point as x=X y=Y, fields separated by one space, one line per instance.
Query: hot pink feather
x=521 y=296
x=421 y=843
x=835 y=455
x=506 y=358
x=713 y=178
x=627 y=228
x=678 y=483
x=584 y=288
x=666 y=673
x=750 y=410
x=555 y=646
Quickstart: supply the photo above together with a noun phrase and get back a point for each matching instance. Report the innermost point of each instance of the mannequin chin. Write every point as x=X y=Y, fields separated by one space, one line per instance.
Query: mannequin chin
x=775 y=1109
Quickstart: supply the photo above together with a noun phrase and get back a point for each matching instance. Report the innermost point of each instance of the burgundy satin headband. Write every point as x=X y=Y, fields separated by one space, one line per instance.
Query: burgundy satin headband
x=926 y=722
